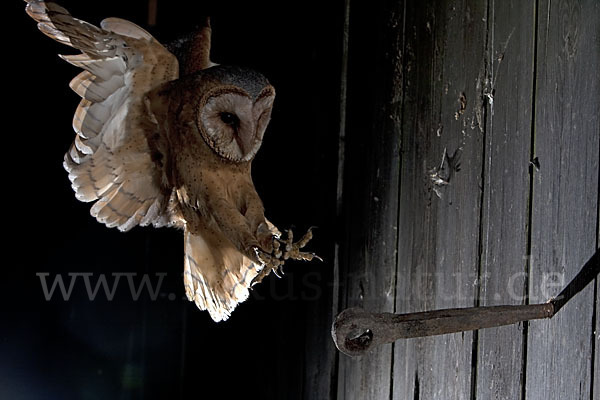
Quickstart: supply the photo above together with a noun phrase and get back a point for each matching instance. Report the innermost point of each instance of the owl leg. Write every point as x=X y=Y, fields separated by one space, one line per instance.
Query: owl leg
x=274 y=261
x=269 y=262
x=292 y=250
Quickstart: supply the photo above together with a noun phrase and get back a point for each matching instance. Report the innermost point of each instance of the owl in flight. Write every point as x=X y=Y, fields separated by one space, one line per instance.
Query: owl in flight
x=163 y=144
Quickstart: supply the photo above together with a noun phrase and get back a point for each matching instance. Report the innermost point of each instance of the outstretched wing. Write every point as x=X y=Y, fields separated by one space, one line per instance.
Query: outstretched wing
x=110 y=161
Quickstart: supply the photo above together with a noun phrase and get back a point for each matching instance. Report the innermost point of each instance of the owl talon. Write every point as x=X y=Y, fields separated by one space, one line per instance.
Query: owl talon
x=274 y=260
x=308 y=256
x=306 y=238
x=276 y=248
x=277 y=269
x=292 y=250
x=270 y=263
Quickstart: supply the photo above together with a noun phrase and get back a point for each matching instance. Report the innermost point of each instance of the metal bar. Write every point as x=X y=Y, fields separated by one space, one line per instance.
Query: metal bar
x=356 y=331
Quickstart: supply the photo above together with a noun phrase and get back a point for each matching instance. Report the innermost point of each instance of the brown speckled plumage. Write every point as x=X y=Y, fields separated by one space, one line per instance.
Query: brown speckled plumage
x=152 y=147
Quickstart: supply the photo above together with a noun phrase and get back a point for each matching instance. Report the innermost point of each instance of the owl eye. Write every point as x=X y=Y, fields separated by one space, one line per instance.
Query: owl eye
x=229 y=118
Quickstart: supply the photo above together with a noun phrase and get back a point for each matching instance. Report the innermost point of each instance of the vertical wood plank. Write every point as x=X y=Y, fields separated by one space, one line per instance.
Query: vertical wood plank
x=371 y=184
x=565 y=194
x=439 y=234
x=505 y=209
x=596 y=339
x=596 y=327
x=337 y=379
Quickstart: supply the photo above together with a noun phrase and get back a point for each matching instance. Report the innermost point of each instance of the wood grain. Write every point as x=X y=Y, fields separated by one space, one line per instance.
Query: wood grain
x=509 y=83
x=565 y=195
x=372 y=164
x=439 y=235
x=596 y=339
x=509 y=80
x=596 y=336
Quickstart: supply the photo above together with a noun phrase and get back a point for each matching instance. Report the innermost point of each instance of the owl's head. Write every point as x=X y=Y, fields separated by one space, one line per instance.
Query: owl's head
x=234 y=111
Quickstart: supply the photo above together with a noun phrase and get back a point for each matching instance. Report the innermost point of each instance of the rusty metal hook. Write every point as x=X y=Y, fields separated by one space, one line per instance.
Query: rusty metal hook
x=356 y=331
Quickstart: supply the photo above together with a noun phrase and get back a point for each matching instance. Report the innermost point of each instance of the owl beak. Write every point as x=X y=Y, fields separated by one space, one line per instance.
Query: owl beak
x=245 y=142
x=245 y=137
x=242 y=144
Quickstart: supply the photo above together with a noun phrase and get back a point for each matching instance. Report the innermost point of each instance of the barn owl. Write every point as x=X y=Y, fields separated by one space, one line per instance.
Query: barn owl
x=156 y=148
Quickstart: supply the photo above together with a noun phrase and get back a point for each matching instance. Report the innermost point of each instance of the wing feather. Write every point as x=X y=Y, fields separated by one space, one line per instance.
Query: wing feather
x=109 y=161
x=217 y=277
x=125 y=28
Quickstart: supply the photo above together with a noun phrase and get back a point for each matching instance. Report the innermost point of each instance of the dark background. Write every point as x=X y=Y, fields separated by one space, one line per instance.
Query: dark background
x=166 y=348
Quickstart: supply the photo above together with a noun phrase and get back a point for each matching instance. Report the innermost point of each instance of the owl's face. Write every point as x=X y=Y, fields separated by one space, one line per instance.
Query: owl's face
x=233 y=116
